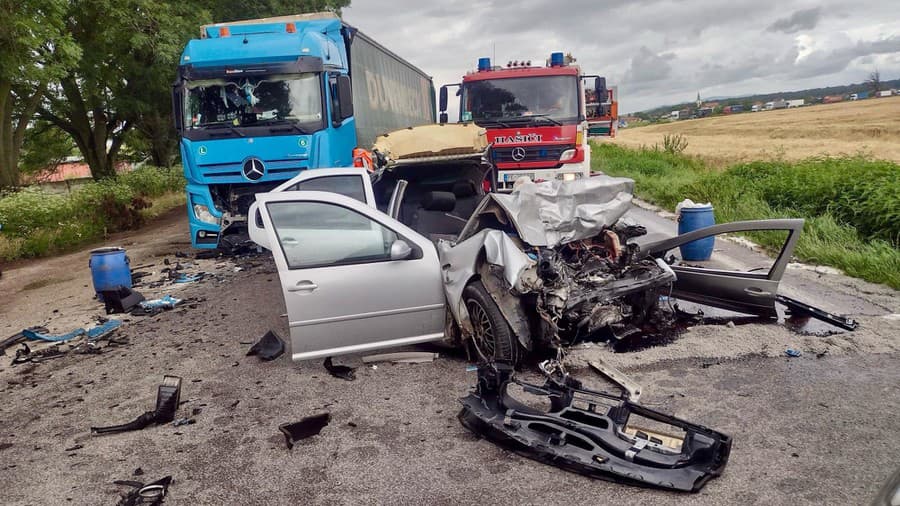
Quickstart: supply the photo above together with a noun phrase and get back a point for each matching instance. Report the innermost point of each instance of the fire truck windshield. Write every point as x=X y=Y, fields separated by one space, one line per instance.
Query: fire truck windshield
x=254 y=101
x=521 y=100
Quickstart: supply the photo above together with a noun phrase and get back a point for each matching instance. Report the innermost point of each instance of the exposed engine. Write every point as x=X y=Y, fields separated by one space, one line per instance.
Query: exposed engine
x=597 y=285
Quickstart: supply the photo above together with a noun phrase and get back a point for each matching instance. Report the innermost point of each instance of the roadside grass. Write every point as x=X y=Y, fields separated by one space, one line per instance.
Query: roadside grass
x=36 y=223
x=851 y=204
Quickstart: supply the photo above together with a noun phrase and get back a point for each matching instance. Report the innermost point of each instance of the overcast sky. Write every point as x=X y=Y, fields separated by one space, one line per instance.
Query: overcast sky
x=656 y=52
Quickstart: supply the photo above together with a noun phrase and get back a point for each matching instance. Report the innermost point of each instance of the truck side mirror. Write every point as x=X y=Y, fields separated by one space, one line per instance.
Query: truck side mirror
x=345 y=96
x=177 y=108
x=443 y=100
x=600 y=88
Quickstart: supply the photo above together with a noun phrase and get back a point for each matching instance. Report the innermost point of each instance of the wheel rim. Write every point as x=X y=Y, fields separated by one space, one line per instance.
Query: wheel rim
x=482 y=330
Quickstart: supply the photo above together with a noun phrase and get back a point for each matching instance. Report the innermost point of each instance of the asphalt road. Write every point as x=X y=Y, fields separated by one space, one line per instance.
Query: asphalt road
x=806 y=430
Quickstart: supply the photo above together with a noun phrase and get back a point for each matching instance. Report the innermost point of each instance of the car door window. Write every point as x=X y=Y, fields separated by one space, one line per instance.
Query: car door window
x=320 y=234
x=348 y=185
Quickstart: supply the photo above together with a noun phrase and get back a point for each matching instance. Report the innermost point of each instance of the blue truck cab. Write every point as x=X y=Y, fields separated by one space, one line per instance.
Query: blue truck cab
x=256 y=102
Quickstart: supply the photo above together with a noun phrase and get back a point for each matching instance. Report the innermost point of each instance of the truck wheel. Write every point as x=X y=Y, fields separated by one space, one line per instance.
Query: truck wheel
x=492 y=337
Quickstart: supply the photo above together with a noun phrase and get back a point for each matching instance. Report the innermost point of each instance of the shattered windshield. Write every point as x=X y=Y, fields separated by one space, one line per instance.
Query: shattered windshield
x=294 y=99
x=550 y=99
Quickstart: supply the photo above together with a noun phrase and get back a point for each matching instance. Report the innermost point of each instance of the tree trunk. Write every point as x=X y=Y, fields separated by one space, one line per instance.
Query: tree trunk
x=12 y=129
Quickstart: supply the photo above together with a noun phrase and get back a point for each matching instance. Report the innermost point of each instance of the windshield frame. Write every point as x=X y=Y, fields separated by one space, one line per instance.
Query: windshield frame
x=276 y=127
x=538 y=119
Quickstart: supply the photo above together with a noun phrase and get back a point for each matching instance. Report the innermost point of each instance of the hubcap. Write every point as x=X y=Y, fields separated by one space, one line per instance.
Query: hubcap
x=483 y=332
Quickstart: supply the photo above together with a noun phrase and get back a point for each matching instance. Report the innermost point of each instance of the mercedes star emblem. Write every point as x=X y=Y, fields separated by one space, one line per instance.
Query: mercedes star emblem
x=518 y=154
x=253 y=169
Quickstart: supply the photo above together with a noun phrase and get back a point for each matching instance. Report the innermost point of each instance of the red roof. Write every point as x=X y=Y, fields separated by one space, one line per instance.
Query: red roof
x=72 y=170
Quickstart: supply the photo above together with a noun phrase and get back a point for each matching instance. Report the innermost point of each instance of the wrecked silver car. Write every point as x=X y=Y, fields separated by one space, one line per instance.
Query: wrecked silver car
x=419 y=251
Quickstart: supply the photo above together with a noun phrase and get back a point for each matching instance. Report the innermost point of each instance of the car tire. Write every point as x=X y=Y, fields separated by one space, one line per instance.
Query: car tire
x=492 y=337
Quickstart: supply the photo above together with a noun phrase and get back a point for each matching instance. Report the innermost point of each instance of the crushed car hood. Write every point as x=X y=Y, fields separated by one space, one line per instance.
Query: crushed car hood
x=557 y=212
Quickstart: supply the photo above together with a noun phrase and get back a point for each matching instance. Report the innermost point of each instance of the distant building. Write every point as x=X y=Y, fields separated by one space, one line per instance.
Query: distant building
x=675 y=115
x=71 y=173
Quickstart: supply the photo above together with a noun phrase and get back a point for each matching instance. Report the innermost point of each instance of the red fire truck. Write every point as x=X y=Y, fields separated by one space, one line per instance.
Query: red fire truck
x=535 y=117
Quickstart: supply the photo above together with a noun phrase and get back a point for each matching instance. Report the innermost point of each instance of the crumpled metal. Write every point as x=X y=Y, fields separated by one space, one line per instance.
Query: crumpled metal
x=558 y=212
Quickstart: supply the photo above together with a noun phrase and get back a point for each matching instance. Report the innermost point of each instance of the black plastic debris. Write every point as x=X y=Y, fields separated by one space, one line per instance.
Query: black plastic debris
x=16 y=338
x=121 y=299
x=151 y=494
x=307 y=427
x=593 y=433
x=340 y=371
x=269 y=347
x=168 y=396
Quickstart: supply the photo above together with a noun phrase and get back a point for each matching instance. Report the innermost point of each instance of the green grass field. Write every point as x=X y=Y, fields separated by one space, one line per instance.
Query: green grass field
x=36 y=223
x=851 y=204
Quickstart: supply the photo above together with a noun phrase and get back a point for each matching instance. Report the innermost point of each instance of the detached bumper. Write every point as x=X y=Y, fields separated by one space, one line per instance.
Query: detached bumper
x=604 y=441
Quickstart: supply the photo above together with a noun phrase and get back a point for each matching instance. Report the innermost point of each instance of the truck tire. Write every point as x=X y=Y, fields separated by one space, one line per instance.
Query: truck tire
x=492 y=337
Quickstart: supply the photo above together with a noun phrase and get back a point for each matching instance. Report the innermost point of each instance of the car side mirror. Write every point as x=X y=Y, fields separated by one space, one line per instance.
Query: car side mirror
x=400 y=250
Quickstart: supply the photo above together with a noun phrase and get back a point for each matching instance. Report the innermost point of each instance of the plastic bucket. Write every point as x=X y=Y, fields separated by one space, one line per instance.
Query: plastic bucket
x=109 y=268
x=693 y=218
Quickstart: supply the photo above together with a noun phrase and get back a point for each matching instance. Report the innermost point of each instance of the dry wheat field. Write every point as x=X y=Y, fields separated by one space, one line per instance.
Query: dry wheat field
x=870 y=127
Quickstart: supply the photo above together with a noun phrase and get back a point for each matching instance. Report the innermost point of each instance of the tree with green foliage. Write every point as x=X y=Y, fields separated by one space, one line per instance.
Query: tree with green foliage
x=44 y=148
x=128 y=47
x=35 y=50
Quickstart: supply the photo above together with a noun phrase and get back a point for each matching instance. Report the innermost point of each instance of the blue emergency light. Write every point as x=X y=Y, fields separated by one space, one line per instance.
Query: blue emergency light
x=557 y=59
x=484 y=64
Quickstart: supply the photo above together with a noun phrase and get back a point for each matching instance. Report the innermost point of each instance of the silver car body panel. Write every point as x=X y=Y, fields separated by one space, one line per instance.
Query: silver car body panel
x=459 y=264
x=258 y=235
x=745 y=292
x=557 y=212
x=352 y=308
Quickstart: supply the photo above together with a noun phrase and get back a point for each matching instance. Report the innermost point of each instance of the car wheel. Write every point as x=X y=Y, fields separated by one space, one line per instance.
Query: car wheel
x=492 y=337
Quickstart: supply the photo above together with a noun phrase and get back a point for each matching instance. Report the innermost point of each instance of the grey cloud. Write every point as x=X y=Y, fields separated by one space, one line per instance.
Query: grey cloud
x=656 y=51
x=829 y=62
x=647 y=68
x=805 y=19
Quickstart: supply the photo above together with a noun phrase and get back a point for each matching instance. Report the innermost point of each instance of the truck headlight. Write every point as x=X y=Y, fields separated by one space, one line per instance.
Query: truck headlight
x=202 y=213
x=569 y=176
x=567 y=155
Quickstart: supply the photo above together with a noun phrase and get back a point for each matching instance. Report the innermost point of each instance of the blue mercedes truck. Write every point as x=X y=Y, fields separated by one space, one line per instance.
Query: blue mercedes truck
x=258 y=101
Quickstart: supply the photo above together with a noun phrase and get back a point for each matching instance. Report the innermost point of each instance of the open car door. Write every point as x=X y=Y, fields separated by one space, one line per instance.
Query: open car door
x=350 y=181
x=353 y=279
x=741 y=291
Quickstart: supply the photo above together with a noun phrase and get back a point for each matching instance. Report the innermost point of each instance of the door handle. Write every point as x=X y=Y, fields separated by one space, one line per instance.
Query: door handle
x=289 y=241
x=757 y=292
x=303 y=286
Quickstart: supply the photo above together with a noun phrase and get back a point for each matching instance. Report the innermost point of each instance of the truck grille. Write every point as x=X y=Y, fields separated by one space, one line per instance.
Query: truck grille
x=532 y=154
x=219 y=171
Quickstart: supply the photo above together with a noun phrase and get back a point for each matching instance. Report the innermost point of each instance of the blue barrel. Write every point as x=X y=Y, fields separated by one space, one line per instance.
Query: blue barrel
x=693 y=218
x=109 y=268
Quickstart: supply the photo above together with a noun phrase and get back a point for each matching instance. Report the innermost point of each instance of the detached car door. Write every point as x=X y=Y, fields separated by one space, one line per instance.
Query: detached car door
x=353 y=279
x=750 y=292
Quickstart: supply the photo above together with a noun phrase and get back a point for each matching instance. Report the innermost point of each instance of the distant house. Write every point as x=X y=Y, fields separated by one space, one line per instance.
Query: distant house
x=68 y=174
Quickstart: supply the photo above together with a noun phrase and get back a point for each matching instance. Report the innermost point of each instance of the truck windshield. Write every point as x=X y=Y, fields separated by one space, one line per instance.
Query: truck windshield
x=255 y=101
x=516 y=100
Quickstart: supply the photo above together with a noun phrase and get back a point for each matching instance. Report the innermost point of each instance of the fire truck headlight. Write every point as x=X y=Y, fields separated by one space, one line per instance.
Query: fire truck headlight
x=202 y=213
x=567 y=155
x=569 y=176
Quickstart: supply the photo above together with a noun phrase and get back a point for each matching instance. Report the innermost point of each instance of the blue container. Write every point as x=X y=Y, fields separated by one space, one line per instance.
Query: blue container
x=109 y=268
x=691 y=219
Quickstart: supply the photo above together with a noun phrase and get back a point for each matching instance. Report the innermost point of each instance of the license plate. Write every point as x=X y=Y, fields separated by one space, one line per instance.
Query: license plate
x=510 y=178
